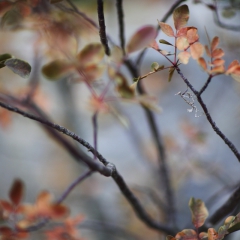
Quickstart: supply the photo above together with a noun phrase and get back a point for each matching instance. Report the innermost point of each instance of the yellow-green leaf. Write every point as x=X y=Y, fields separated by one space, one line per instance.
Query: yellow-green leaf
x=199 y=212
x=170 y=75
x=56 y=69
x=91 y=54
x=180 y=16
x=165 y=42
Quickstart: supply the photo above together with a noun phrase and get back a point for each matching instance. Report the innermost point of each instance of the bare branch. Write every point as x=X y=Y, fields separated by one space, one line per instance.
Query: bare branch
x=102 y=27
x=119 y=5
x=227 y=208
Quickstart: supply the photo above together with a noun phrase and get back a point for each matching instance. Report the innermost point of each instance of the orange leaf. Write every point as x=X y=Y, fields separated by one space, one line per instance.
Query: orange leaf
x=207 y=51
x=218 y=69
x=218 y=53
x=218 y=62
x=232 y=66
x=180 y=16
x=184 y=57
x=187 y=234
x=16 y=192
x=58 y=211
x=183 y=31
x=212 y=234
x=182 y=43
x=141 y=39
x=167 y=29
x=154 y=45
x=236 y=71
x=202 y=63
x=214 y=43
x=199 y=212
x=196 y=50
x=192 y=35
x=44 y=198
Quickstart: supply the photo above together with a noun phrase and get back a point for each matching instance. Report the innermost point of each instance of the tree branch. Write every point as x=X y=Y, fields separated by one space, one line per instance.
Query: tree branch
x=109 y=170
x=119 y=5
x=208 y=116
x=227 y=208
x=102 y=27
x=205 y=85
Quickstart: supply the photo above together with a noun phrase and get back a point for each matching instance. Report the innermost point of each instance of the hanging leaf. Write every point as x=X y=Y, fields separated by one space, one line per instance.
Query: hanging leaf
x=183 y=31
x=3 y=58
x=91 y=54
x=232 y=66
x=171 y=71
x=166 y=28
x=16 y=192
x=196 y=50
x=56 y=69
x=202 y=63
x=141 y=39
x=199 y=212
x=184 y=57
x=18 y=66
x=214 y=43
x=165 y=42
x=180 y=16
x=218 y=69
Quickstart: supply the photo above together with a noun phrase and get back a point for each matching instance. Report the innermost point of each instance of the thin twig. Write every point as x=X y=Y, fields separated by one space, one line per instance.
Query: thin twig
x=205 y=85
x=93 y=165
x=226 y=208
x=119 y=5
x=95 y=130
x=81 y=178
x=102 y=27
x=208 y=116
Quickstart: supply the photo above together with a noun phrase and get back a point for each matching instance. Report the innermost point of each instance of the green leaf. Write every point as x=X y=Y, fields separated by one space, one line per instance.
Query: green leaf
x=171 y=71
x=154 y=66
x=56 y=69
x=11 y=20
x=18 y=66
x=141 y=38
x=199 y=212
x=234 y=228
x=3 y=58
x=180 y=16
x=165 y=42
x=228 y=12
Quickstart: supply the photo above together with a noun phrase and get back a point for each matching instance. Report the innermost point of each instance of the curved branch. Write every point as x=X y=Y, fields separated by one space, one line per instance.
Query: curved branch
x=109 y=170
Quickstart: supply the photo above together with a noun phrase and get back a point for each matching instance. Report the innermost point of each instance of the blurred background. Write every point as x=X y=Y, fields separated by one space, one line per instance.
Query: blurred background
x=200 y=164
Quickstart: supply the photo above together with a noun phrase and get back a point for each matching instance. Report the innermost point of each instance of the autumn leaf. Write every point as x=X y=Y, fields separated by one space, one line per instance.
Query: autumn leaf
x=184 y=57
x=196 y=50
x=199 y=212
x=141 y=38
x=166 y=28
x=187 y=234
x=202 y=63
x=182 y=43
x=180 y=16
x=192 y=35
x=218 y=53
x=214 y=43
x=16 y=192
